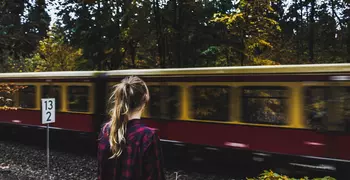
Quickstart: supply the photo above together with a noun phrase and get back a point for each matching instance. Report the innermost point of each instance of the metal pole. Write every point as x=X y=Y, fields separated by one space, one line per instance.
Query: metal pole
x=47 y=150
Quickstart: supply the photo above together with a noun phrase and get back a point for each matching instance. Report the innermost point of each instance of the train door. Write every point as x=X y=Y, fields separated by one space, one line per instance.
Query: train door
x=155 y=109
x=316 y=115
x=164 y=105
x=338 y=122
x=328 y=113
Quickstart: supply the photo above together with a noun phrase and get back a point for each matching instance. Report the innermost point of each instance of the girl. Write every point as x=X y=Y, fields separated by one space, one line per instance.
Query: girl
x=128 y=149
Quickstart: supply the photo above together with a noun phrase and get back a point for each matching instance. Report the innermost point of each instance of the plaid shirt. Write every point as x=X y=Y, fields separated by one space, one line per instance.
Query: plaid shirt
x=141 y=158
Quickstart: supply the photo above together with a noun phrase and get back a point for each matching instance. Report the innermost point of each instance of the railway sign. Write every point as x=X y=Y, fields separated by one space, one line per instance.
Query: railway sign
x=48 y=116
x=48 y=110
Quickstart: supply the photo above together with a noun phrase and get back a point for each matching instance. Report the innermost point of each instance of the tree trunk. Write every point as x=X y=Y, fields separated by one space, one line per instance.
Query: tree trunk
x=175 y=37
x=116 y=57
x=300 y=45
x=179 y=45
x=312 y=32
x=348 y=42
x=41 y=4
x=160 y=39
x=133 y=46
x=242 y=48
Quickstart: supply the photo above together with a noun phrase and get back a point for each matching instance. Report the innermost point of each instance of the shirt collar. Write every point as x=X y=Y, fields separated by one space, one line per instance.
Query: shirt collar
x=133 y=122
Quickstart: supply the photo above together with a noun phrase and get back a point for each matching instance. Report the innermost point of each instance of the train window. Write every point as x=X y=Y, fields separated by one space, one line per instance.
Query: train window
x=315 y=107
x=52 y=92
x=6 y=99
x=265 y=105
x=164 y=101
x=78 y=98
x=27 y=97
x=210 y=102
x=327 y=108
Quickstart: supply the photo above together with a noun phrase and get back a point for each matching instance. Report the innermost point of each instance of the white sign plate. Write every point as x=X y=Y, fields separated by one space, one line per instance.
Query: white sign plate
x=48 y=110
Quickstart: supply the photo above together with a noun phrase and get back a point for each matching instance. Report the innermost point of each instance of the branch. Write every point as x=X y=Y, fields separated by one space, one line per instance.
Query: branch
x=336 y=15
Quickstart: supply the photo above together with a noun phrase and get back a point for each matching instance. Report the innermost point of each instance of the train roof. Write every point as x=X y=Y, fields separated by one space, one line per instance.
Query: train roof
x=270 y=69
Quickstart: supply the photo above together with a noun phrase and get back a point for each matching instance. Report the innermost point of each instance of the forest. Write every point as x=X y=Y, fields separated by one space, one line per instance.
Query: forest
x=64 y=35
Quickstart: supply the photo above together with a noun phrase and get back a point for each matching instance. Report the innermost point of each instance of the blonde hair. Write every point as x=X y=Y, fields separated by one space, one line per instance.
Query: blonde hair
x=129 y=96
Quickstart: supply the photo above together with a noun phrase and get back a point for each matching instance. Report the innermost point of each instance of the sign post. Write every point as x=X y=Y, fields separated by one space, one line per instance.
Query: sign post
x=47 y=117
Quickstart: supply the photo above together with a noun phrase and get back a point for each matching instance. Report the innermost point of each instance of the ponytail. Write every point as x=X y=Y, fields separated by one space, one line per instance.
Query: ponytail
x=127 y=96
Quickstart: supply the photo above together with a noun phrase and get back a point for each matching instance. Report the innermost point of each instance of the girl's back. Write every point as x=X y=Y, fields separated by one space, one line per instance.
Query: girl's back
x=141 y=158
x=128 y=149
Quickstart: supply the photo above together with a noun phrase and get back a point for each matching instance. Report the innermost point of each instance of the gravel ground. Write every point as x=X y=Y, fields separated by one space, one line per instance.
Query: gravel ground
x=21 y=162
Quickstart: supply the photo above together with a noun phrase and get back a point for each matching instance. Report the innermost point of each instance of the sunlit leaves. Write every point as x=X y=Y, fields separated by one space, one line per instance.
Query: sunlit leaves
x=7 y=92
x=252 y=25
x=228 y=20
x=54 y=55
x=270 y=175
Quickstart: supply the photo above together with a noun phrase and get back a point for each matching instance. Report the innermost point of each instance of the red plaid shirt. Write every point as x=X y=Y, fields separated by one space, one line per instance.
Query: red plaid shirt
x=141 y=158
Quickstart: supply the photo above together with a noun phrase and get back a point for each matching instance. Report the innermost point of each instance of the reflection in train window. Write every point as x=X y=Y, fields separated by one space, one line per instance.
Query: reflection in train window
x=78 y=98
x=327 y=108
x=339 y=109
x=210 y=103
x=6 y=99
x=164 y=101
x=52 y=92
x=315 y=107
x=27 y=97
x=265 y=105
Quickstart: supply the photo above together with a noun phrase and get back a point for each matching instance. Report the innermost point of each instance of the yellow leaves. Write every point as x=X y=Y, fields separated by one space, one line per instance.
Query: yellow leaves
x=10 y=88
x=264 y=43
x=7 y=92
x=278 y=28
x=235 y=17
x=5 y=108
x=259 y=61
x=54 y=55
x=318 y=106
x=228 y=19
x=219 y=17
x=253 y=26
x=107 y=51
x=122 y=50
x=270 y=175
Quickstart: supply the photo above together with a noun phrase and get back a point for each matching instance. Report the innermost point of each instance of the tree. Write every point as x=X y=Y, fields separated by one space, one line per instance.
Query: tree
x=22 y=25
x=11 y=30
x=251 y=27
x=53 y=54
x=178 y=33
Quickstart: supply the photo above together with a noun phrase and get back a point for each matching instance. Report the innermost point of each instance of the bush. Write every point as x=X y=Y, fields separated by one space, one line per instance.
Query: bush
x=270 y=175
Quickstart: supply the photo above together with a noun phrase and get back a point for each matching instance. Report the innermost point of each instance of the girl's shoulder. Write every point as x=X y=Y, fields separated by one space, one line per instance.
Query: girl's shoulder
x=105 y=128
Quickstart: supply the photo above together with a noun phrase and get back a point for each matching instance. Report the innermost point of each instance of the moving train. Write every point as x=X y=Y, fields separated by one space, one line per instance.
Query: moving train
x=263 y=113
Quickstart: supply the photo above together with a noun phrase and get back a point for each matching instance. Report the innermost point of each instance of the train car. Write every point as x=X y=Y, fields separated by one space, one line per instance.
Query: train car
x=74 y=93
x=296 y=113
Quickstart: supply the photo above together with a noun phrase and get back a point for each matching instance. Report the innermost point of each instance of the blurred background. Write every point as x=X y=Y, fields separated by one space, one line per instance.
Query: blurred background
x=46 y=35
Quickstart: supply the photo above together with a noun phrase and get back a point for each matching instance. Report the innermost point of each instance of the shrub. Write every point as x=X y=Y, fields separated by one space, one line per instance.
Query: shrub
x=270 y=175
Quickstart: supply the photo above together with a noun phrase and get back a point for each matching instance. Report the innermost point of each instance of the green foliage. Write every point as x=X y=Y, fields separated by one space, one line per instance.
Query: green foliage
x=210 y=103
x=270 y=175
x=22 y=25
x=54 y=55
x=251 y=25
x=153 y=33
